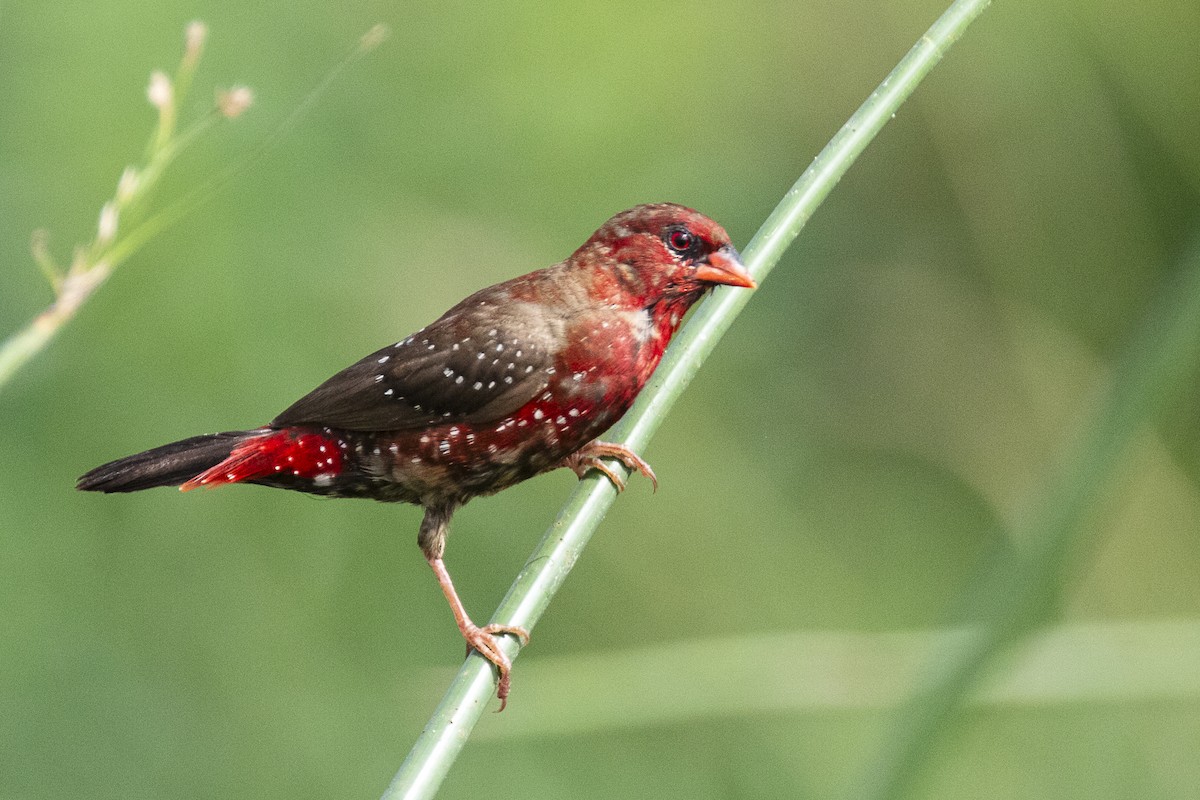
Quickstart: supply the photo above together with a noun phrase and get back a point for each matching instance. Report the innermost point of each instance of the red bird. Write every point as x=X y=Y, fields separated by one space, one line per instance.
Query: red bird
x=516 y=380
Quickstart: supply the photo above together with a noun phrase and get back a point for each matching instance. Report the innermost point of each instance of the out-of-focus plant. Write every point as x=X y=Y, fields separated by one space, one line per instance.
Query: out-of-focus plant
x=127 y=220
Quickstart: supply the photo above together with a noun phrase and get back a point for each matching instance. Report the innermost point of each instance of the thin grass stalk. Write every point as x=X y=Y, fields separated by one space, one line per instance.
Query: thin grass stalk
x=118 y=232
x=124 y=226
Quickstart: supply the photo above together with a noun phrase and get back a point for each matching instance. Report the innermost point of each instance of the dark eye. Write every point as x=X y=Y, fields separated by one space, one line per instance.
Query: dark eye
x=682 y=241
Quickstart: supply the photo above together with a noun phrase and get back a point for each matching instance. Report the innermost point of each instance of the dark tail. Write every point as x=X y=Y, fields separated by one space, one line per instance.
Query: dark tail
x=169 y=465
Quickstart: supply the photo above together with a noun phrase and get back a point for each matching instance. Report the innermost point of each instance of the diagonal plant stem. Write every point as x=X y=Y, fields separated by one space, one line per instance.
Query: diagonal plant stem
x=447 y=731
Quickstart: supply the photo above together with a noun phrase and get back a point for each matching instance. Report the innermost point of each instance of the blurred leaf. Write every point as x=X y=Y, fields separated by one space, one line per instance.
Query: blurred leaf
x=814 y=672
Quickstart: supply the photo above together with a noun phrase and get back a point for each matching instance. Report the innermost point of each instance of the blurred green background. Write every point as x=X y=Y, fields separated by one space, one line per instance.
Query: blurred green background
x=850 y=461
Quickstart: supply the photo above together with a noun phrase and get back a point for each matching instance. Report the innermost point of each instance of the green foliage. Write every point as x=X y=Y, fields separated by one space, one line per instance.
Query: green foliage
x=853 y=459
x=125 y=223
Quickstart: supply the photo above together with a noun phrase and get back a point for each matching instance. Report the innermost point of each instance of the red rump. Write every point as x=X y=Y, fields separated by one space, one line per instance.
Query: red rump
x=302 y=455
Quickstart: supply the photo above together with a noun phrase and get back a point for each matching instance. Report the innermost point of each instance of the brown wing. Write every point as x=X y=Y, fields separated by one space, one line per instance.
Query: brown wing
x=479 y=362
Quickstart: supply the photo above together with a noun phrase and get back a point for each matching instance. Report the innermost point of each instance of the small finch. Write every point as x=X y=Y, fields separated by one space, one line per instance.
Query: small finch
x=516 y=380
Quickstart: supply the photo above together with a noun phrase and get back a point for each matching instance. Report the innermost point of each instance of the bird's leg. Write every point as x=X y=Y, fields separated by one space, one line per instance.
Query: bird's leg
x=588 y=458
x=432 y=539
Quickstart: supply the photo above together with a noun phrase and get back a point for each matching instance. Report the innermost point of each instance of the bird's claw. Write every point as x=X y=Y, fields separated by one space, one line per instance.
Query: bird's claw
x=589 y=457
x=512 y=630
x=483 y=641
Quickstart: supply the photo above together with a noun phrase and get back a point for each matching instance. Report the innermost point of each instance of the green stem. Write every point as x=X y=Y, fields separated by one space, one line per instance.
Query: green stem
x=28 y=342
x=73 y=290
x=471 y=690
x=87 y=276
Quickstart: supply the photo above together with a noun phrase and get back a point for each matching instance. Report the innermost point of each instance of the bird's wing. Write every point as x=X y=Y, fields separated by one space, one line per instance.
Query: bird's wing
x=479 y=362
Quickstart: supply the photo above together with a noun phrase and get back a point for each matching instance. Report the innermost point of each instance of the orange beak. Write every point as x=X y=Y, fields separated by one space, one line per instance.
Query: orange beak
x=725 y=266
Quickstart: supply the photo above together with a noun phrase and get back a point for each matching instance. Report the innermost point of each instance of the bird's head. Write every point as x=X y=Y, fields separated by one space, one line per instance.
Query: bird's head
x=661 y=252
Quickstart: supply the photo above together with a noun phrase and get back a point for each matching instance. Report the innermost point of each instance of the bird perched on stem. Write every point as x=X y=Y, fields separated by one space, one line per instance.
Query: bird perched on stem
x=515 y=380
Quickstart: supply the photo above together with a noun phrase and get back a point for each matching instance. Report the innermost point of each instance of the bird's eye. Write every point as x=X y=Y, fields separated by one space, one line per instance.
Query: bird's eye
x=681 y=241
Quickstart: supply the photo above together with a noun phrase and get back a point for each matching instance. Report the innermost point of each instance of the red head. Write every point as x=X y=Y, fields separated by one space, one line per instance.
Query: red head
x=661 y=252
